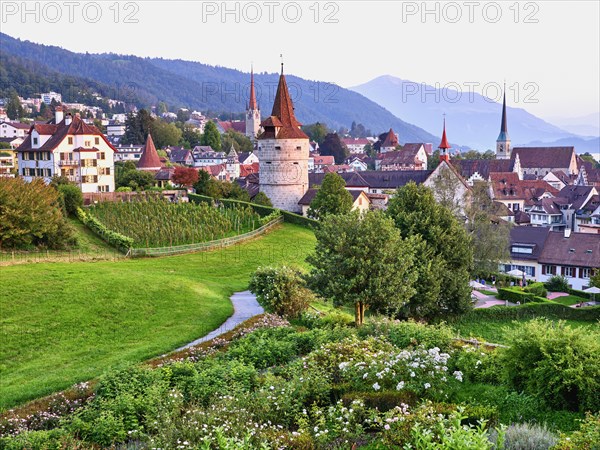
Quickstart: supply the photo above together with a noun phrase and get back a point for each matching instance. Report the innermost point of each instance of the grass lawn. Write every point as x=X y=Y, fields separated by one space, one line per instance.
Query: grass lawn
x=497 y=331
x=570 y=300
x=486 y=292
x=62 y=323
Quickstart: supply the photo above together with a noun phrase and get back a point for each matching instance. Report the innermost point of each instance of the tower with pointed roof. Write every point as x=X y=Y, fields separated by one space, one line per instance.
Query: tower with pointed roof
x=444 y=147
x=233 y=164
x=149 y=161
x=503 y=147
x=252 y=112
x=390 y=142
x=283 y=151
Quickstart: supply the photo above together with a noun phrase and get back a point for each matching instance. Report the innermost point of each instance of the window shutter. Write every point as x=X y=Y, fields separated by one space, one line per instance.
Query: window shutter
x=562 y=271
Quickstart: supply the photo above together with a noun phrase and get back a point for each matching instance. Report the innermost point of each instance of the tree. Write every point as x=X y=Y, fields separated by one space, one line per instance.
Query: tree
x=370 y=151
x=240 y=142
x=72 y=198
x=490 y=236
x=332 y=198
x=190 y=136
x=447 y=190
x=333 y=146
x=14 y=110
x=161 y=108
x=262 y=199
x=201 y=185
x=316 y=132
x=137 y=127
x=363 y=261
x=589 y=158
x=165 y=134
x=211 y=136
x=30 y=216
x=447 y=244
x=185 y=176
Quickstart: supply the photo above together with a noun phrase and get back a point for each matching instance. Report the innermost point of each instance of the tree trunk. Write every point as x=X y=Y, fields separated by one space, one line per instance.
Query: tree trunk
x=363 y=308
x=357 y=320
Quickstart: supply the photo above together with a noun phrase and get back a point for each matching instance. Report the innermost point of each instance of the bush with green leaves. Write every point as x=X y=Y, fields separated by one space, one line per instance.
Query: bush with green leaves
x=537 y=289
x=281 y=290
x=558 y=283
x=404 y=334
x=525 y=436
x=555 y=362
x=586 y=438
x=72 y=197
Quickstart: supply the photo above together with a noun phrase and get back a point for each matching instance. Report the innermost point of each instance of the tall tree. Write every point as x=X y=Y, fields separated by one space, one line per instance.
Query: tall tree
x=316 y=132
x=185 y=176
x=489 y=234
x=331 y=198
x=363 y=261
x=447 y=190
x=14 y=110
x=211 y=136
x=165 y=134
x=201 y=185
x=137 y=127
x=333 y=146
x=417 y=213
x=240 y=142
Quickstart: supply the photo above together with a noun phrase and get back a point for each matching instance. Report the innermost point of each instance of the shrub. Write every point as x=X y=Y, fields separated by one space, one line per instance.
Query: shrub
x=409 y=333
x=537 y=289
x=556 y=363
x=111 y=237
x=124 y=189
x=41 y=440
x=586 y=438
x=281 y=290
x=549 y=310
x=31 y=216
x=558 y=283
x=72 y=197
x=517 y=295
x=478 y=365
x=526 y=436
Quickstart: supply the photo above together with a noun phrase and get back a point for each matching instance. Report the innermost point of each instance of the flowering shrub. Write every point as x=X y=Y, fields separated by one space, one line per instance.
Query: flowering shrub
x=478 y=365
x=526 y=436
x=586 y=438
x=409 y=333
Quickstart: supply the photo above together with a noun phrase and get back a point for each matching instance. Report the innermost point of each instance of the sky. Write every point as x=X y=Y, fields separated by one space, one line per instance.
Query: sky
x=547 y=51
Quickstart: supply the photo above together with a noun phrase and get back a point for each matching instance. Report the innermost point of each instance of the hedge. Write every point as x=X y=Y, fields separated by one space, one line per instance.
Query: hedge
x=515 y=296
x=550 y=310
x=261 y=210
x=537 y=289
x=113 y=238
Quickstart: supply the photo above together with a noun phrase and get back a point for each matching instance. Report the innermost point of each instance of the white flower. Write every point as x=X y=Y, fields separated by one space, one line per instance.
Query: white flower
x=427 y=385
x=376 y=386
x=343 y=365
x=458 y=375
x=400 y=386
x=387 y=427
x=365 y=375
x=412 y=374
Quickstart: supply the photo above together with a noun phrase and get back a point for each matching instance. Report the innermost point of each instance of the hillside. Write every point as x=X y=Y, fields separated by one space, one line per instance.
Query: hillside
x=474 y=121
x=207 y=88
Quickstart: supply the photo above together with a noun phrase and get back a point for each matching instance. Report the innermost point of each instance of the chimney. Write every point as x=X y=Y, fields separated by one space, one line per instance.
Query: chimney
x=58 y=114
x=68 y=119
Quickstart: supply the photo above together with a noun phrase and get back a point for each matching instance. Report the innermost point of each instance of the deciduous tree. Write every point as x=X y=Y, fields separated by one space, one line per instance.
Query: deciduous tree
x=331 y=198
x=185 y=176
x=333 y=146
x=211 y=136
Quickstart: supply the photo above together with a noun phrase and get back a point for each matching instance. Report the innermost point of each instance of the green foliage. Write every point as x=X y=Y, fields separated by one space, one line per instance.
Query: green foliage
x=280 y=290
x=115 y=239
x=31 y=216
x=548 y=310
x=201 y=185
x=316 y=132
x=443 y=264
x=331 y=198
x=558 y=283
x=404 y=334
x=127 y=175
x=211 y=136
x=137 y=127
x=56 y=439
x=14 y=110
x=518 y=295
x=262 y=199
x=536 y=289
x=152 y=221
x=525 y=436
x=240 y=142
x=333 y=146
x=586 y=438
x=556 y=363
x=363 y=261
x=165 y=134
x=72 y=197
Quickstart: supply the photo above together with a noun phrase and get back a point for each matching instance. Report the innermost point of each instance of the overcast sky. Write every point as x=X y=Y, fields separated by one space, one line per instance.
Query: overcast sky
x=553 y=44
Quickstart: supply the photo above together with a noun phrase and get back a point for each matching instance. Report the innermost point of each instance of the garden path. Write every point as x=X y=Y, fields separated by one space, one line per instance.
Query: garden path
x=245 y=307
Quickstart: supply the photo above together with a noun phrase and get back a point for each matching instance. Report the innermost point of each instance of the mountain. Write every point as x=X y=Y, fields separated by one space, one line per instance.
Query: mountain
x=588 y=125
x=146 y=81
x=473 y=120
x=582 y=145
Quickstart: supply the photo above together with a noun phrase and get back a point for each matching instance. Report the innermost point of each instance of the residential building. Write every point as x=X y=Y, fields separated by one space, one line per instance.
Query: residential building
x=410 y=157
x=248 y=158
x=390 y=142
x=7 y=164
x=115 y=128
x=355 y=145
x=14 y=129
x=360 y=201
x=179 y=155
x=128 y=152
x=526 y=245
x=204 y=156
x=318 y=162
x=71 y=148
x=47 y=97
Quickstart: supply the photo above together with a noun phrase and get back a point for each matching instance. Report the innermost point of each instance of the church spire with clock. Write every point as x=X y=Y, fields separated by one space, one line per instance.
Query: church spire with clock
x=503 y=148
x=253 y=112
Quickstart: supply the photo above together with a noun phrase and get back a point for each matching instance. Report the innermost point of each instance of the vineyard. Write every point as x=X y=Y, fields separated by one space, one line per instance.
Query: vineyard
x=156 y=222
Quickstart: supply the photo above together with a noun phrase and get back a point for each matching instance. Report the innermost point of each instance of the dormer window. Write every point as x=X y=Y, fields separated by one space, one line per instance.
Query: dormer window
x=70 y=140
x=35 y=141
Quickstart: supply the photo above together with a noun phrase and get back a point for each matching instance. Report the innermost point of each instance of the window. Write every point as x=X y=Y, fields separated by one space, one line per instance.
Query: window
x=569 y=272
x=584 y=272
x=96 y=140
x=35 y=141
x=70 y=140
x=522 y=249
x=103 y=188
x=101 y=155
x=87 y=144
x=548 y=269
x=277 y=147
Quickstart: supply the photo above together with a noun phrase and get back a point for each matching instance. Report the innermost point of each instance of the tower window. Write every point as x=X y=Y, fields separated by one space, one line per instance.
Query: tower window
x=277 y=147
x=298 y=148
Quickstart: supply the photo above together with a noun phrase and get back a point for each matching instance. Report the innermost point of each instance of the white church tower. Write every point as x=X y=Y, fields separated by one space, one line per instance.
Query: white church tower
x=503 y=148
x=283 y=151
x=252 y=113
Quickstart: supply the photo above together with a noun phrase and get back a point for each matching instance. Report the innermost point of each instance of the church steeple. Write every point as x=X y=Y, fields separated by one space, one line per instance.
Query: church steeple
x=503 y=148
x=444 y=147
x=253 y=113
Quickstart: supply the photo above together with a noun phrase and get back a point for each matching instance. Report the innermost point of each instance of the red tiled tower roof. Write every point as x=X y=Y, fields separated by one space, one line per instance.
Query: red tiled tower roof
x=252 y=105
x=444 y=146
x=390 y=140
x=149 y=159
x=282 y=124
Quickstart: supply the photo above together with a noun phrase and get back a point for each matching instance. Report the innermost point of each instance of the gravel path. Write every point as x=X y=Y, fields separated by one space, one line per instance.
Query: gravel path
x=245 y=307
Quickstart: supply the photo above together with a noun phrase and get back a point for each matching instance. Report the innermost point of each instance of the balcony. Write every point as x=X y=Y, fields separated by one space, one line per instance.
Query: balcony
x=68 y=162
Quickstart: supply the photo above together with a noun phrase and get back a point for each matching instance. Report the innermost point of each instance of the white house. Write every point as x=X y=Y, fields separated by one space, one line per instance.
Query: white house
x=71 y=148
x=13 y=129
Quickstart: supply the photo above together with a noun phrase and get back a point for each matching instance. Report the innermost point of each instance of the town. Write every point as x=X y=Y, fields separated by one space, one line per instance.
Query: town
x=239 y=226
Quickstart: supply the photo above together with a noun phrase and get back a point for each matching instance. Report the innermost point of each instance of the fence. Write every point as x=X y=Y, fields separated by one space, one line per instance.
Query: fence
x=37 y=256
x=205 y=246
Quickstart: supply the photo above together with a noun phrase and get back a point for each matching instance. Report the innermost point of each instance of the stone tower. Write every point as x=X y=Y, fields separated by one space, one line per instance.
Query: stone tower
x=283 y=151
x=503 y=148
x=252 y=113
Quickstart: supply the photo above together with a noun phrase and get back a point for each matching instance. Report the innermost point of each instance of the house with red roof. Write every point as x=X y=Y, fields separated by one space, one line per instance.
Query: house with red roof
x=390 y=142
x=68 y=147
x=355 y=145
